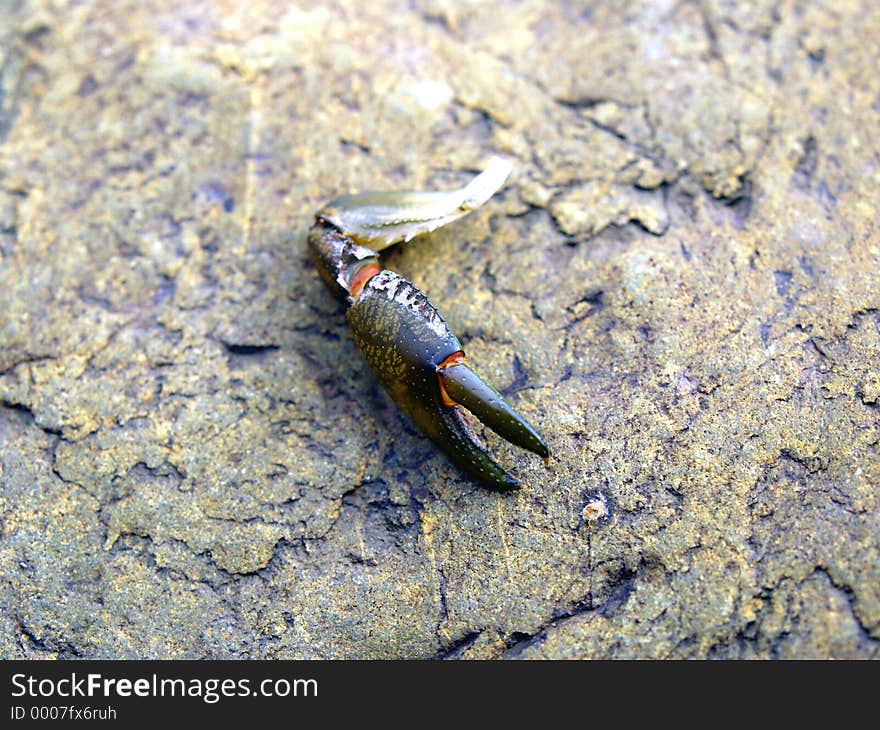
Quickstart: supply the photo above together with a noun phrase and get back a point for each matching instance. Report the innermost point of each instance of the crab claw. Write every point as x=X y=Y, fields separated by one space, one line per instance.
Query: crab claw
x=463 y=386
x=448 y=429
x=421 y=364
x=403 y=338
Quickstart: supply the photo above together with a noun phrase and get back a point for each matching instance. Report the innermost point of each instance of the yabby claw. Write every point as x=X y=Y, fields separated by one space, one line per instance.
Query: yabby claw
x=402 y=336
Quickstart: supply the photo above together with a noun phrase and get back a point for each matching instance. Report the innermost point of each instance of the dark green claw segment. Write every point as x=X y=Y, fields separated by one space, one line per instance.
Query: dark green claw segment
x=404 y=339
x=464 y=386
x=452 y=434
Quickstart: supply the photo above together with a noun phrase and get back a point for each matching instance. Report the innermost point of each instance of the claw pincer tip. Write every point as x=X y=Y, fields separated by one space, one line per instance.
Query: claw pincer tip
x=401 y=334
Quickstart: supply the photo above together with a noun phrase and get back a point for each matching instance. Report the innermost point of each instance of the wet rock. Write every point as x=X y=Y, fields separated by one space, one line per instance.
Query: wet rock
x=678 y=286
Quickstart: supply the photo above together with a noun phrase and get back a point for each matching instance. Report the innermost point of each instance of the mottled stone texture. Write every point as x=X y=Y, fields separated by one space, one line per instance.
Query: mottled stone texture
x=678 y=286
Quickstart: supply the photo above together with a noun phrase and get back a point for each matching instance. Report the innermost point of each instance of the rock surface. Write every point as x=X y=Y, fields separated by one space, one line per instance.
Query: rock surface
x=678 y=286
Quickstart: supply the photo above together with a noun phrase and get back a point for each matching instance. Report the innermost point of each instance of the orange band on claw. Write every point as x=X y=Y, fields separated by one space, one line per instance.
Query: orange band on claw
x=456 y=358
x=363 y=275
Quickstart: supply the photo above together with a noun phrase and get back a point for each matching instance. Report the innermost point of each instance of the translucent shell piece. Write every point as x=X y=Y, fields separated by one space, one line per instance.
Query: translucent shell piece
x=380 y=219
